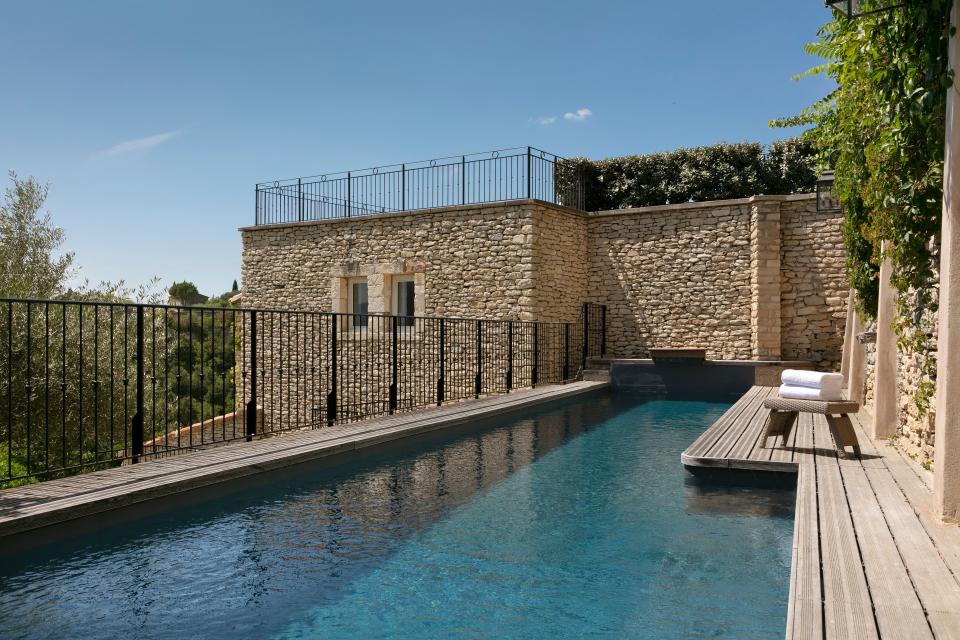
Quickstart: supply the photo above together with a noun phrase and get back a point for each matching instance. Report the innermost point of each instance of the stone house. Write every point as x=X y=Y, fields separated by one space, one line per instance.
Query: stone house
x=758 y=278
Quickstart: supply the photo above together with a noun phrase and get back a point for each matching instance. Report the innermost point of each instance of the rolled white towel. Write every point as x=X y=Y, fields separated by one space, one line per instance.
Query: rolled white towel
x=812 y=379
x=809 y=393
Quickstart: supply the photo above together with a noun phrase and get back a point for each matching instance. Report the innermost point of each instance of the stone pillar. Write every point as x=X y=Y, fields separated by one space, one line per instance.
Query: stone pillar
x=765 y=278
x=885 y=404
x=946 y=465
x=858 y=360
x=848 y=338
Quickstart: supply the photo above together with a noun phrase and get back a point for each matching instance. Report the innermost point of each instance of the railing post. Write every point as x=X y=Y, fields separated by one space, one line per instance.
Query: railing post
x=509 y=355
x=299 y=200
x=256 y=204
x=585 y=312
x=251 y=414
x=332 y=396
x=478 y=379
x=137 y=427
x=534 y=371
x=566 y=351
x=528 y=173
x=441 y=379
x=603 y=331
x=403 y=187
x=347 y=204
x=393 y=366
x=463 y=179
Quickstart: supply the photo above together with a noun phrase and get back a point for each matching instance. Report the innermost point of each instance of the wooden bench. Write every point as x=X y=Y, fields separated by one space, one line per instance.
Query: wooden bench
x=783 y=415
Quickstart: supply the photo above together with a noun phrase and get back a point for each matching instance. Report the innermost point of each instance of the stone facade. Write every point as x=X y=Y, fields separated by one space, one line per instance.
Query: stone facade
x=755 y=278
x=477 y=260
x=914 y=433
x=674 y=276
x=813 y=283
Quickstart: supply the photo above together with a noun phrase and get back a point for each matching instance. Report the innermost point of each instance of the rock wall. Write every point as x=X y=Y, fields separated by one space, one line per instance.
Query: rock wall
x=758 y=278
x=560 y=263
x=478 y=260
x=753 y=278
x=674 y=276
x=813 y=284
x=915 y=430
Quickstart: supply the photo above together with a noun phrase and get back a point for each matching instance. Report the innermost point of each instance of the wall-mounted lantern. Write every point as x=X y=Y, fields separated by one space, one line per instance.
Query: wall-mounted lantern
x=851 y=8
x=826 y=199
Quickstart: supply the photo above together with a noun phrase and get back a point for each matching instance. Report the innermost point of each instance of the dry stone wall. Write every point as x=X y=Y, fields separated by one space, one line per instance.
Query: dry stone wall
x=754 y=278
x=813 y=284
x=478 y=259
x=560 y=262
x=914 y=432
x=674 y=276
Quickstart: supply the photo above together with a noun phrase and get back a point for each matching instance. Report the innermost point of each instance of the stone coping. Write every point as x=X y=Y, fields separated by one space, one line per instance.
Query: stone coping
x=800 y=364
x=706 y=204
x=498 y=204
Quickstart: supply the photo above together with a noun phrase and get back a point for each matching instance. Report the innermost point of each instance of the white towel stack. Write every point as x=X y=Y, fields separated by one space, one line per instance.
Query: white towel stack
x=811 y=385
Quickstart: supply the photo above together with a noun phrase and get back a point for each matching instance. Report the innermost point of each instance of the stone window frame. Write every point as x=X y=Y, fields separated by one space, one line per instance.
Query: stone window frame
x=390 y=292
x=348 y=307
x=380 y=279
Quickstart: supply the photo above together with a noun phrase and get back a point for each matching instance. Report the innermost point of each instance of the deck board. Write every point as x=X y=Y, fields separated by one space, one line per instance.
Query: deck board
x=869 y=558
x=32 y=506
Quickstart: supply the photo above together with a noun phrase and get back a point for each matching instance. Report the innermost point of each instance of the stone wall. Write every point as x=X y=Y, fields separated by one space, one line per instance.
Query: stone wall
x=757 y=278
x=674 y=276
x=753 y=278
x=870 y=377
x=813 y=284
x=560 y=263
x=914 y=432
x=478 y=259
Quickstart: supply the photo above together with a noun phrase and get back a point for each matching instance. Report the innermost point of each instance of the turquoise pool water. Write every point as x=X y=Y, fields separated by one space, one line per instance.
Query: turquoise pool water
x=572 y=521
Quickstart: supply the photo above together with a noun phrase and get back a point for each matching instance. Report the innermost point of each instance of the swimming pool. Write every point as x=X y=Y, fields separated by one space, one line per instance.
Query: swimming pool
x=567 y=521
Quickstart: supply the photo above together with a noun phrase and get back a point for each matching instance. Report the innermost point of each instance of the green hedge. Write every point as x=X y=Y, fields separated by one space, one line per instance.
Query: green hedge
x=716 y=172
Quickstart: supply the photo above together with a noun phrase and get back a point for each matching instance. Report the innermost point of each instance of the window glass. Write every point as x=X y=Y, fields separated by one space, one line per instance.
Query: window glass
x=360 y=306
x=404 y=296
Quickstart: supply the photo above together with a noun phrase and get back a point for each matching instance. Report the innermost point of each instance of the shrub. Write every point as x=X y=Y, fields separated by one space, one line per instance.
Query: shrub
x=716 y=172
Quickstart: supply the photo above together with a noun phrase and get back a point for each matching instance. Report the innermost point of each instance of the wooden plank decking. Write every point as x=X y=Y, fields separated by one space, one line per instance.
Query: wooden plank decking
x=870 y=560
x=37 y=505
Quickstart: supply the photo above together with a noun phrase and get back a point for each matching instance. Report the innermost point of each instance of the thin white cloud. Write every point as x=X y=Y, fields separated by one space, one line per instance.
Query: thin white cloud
x=545 y=120
x=140 y=144
x=579 y=114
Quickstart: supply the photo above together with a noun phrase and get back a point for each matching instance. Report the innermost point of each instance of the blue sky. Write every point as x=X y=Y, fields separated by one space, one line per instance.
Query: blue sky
x=153 y=120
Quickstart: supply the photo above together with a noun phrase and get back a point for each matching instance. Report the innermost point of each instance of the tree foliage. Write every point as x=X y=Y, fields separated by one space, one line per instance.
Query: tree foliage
x=882 y=129
x=186 y=293
x=67 y=366
x=29 y=242
x=714 y=172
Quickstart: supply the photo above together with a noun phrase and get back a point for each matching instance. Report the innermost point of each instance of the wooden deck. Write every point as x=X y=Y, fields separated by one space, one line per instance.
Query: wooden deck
x=870 y=560
x=37 y=505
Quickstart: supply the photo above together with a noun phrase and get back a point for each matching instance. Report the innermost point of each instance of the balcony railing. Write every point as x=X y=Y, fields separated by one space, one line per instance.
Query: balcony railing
x=89 y=385
x=492 y=176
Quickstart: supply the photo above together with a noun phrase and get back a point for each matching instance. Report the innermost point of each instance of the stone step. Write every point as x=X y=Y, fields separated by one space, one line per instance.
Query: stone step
x=596 y=375
x=599 y=363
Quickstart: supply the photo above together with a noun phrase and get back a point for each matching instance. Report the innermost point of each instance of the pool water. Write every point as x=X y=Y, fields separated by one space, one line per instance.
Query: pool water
x=568 y=521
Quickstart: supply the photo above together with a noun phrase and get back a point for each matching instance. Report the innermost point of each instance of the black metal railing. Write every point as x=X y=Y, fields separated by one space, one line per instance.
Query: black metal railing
x=505 y=174
x=86 y=385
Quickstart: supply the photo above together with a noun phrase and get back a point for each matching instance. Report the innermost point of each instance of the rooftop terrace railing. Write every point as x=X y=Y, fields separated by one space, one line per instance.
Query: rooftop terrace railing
x=492 y=176
x=89 y=385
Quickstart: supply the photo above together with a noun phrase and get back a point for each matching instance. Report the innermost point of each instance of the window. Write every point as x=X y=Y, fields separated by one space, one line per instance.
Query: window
x=358 y=302
x=403 y=300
